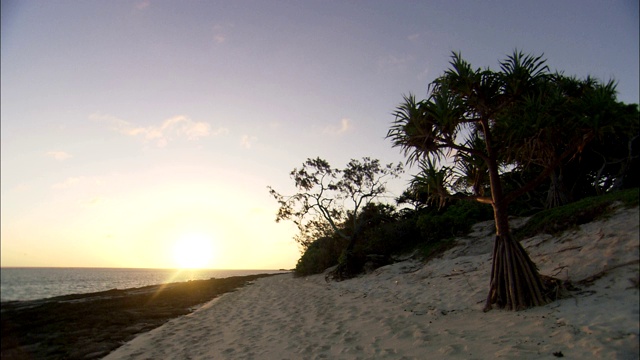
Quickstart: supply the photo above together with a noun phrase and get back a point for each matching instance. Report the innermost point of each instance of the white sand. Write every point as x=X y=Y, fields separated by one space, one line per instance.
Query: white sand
x=411 y=310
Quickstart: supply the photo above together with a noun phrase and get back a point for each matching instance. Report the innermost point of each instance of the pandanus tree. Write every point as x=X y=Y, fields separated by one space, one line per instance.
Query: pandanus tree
x=477 y=124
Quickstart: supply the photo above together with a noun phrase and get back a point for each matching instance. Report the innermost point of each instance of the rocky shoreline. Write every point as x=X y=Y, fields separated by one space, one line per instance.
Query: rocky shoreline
x=90 y=326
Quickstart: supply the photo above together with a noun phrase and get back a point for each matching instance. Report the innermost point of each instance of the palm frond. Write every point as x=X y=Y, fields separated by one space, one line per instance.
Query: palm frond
x=520 y=72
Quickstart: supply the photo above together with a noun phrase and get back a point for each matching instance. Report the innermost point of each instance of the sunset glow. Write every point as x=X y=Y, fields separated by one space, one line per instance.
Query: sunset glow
x=194 y=251
x=129 y=127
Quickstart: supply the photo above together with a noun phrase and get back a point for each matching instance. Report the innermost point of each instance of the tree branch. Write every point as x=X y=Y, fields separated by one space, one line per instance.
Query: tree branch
x=468 y=150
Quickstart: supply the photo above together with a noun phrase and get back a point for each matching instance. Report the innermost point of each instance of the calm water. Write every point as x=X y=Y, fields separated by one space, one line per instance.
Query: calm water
x=39 y=283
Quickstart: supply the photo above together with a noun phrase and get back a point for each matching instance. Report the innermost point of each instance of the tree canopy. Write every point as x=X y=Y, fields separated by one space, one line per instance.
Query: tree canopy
x=328 y=196
x=476 y=125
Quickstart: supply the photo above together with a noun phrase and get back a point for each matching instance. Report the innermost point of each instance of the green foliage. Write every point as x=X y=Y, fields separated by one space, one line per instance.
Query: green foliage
x=320 y=255
x=381 y=232
x=456 y=220
x=390 y=238
x=385 y=233
x=373 y=218
x=523 y=118
x=315 y=228
x=430 y=231
x=557 y=220
x=429 y=250
x=531 y=202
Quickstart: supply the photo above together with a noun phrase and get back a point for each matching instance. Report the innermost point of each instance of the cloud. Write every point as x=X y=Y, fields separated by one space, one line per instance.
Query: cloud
x=393 y=62
x=219 y=34
x=345 y=125
x=176 y=127
x=69 y=183
x=141 y=5
x=413 y=37
x=247 y=141
x=94 y=201
x=79 y=182
x=424 y=73
x=58 y=155
x=21 y=188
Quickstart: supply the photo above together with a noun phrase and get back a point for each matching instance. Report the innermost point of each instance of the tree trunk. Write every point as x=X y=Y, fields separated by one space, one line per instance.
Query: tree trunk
x=557 y=194
x=515 y=282
x=349 y=264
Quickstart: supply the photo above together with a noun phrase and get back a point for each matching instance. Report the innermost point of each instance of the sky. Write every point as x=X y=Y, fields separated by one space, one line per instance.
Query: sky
x=144 y=133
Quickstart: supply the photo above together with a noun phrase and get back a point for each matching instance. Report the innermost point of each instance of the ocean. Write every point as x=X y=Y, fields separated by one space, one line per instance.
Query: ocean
x=40 y=283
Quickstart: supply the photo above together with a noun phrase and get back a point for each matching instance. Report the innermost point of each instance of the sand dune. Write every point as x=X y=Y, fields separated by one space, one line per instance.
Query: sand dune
x=411 y=310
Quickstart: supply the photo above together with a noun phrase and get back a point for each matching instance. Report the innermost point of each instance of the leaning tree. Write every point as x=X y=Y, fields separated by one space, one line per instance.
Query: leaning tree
x=326 y=197
x=478 y=124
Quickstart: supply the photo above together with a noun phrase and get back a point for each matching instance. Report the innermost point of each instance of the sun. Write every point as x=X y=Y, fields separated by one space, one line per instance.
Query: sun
x=193 y=251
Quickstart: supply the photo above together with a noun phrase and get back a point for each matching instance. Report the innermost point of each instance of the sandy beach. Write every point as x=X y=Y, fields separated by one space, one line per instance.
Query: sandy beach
x=413 y=310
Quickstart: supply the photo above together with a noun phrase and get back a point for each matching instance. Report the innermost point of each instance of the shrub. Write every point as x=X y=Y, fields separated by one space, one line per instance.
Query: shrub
x=455 y=220
x=391 y=238
x=559 y=219
x=320 y=255
x=387 y=234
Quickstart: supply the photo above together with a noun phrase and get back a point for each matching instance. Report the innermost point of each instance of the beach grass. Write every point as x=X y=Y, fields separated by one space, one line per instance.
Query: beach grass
x=557 y=220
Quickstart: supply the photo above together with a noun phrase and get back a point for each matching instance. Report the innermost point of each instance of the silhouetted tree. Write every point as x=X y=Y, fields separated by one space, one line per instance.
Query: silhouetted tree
x=334 y=196
x=484 y=123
